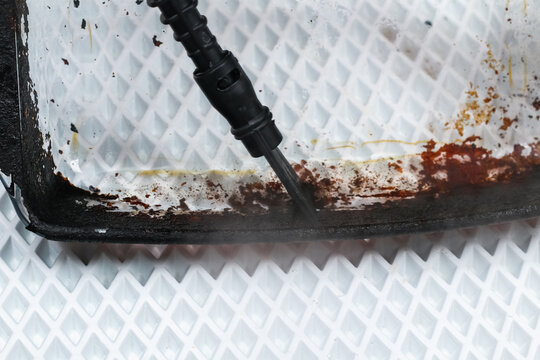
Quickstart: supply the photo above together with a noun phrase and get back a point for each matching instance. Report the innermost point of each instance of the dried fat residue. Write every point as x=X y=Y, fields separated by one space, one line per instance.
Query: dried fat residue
x=481 y=104
x=492 y=62
x=476 y=111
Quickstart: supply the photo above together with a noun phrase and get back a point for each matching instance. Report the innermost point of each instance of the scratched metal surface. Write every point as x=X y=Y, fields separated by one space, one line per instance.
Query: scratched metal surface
x=349 y=82
x=471 y=294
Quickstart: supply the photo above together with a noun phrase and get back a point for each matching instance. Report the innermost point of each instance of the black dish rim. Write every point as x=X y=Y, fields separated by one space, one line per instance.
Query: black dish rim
x=55 y=209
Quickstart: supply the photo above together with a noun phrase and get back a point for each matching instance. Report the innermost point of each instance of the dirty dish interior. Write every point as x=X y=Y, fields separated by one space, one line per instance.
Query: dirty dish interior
x=377 y=100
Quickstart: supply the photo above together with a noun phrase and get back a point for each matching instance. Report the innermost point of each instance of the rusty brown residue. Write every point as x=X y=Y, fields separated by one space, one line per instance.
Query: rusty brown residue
x=439 y=169
x=111 y=206
x=258 y=197
x=536 y=104
x=492 y=62
x=443 y=169
x=304 y=173
x=213 y=185
x=507 y=122
x=396 y=167
x=133 y=200
x=454 y=166
x=476 y=111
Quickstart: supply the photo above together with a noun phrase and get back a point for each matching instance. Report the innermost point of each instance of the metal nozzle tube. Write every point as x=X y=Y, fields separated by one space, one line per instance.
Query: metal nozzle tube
x=292 y=184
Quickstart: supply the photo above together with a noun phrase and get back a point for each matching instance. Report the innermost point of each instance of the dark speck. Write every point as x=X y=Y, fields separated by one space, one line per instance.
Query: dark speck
x=83 y=24
x=76 y=3
x=428 y=23
x=66 y=62
x=536 y=104
x=156 y=42
x=74 y=128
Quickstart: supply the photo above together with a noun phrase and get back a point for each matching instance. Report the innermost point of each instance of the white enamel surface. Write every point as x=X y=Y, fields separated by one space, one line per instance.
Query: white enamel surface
x=338 y=76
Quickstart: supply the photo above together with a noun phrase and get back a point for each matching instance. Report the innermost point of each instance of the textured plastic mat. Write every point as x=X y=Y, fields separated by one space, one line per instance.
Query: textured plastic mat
x=471 y=294
x=359 y=88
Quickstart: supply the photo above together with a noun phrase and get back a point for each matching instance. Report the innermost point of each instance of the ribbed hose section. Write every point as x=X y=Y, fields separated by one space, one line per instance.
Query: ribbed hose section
x=191 y=29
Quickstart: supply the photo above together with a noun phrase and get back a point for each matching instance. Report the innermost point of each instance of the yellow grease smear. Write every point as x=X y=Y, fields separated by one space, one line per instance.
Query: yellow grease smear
x=343 y=143
x=507 y=4
x=395 y=157
x=314 y=141
x=524 y=74
x=90 y=32
x=341 y=147
x=374 y=161
x=394 y=142
x=510 y=71
x=177 y=173
x=75 y=142
x=524 y=7
x=353 y=145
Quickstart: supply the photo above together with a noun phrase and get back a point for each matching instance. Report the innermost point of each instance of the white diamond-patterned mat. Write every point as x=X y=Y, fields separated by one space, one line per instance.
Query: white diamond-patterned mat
x=469 y=294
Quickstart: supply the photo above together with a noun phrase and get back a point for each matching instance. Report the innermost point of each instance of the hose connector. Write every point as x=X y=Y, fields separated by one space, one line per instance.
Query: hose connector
x=231 y=93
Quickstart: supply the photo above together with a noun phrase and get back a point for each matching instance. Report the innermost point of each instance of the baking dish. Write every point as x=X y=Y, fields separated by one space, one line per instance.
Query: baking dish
x=402 y=117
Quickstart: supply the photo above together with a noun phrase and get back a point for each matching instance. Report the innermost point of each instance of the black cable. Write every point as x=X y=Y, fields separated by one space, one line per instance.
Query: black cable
x=229 y=90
